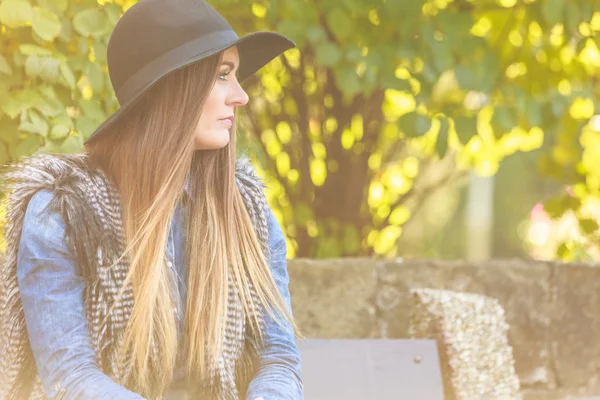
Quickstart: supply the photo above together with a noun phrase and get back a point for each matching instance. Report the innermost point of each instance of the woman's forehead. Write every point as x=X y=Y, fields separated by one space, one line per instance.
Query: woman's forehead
x=231 y=54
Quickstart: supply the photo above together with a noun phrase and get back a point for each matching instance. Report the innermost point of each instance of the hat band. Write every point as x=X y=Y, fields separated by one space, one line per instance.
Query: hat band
x=174 y=59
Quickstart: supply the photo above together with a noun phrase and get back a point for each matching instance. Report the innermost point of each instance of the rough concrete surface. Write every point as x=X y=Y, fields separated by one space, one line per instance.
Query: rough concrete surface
x=553 y=310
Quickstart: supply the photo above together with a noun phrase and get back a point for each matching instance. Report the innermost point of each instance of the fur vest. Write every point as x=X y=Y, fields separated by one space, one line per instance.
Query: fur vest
x=89 y=204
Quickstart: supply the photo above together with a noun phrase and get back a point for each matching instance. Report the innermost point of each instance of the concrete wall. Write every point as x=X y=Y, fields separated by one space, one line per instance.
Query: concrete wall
x=553 y=310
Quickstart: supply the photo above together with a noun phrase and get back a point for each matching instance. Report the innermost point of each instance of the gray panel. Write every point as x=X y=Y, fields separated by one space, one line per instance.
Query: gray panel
x=371 y=369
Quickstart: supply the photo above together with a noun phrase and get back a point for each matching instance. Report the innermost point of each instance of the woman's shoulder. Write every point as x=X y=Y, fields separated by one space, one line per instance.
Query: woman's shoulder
x=36 y=180
x=40 y=203
x=41 y=170
x=43 y=229
x=40 y=216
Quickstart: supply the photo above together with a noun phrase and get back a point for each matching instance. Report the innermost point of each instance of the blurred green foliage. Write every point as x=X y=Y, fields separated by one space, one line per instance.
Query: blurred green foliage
x=353 y=125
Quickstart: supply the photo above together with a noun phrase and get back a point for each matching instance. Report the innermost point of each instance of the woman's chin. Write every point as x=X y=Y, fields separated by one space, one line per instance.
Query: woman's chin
x=215 y=141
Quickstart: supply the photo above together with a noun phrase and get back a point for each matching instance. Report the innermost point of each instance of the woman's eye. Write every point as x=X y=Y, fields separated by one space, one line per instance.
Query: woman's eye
x=223 y=75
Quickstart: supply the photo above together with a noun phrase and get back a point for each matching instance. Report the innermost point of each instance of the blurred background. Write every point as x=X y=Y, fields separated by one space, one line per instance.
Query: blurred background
x=416 y=129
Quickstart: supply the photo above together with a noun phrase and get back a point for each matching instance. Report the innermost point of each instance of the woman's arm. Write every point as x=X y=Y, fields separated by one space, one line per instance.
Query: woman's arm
x=52 y=295
x=279 y=375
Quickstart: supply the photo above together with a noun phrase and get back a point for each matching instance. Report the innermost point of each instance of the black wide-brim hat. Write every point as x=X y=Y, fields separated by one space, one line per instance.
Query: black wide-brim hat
x=156 y=37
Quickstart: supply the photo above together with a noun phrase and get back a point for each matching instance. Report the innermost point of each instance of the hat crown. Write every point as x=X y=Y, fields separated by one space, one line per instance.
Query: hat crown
x=151 y=28
x=156 y=37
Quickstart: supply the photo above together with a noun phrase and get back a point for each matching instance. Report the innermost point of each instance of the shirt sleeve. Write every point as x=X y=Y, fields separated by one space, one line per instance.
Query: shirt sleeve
x=52 y=296
x=279 y=374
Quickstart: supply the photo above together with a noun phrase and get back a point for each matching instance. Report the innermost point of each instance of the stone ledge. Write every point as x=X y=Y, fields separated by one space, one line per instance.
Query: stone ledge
x=553 y=309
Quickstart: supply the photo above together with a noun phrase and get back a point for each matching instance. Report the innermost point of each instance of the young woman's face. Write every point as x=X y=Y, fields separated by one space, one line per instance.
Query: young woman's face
x=212 y=131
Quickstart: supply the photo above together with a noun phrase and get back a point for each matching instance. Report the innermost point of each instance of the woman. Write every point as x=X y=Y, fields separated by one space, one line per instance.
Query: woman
x=150 y=266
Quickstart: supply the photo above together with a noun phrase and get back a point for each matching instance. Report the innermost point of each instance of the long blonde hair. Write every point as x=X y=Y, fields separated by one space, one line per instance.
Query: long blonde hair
x=149 y=154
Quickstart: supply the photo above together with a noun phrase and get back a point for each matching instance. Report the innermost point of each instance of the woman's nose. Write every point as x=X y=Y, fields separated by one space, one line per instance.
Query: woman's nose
x=238 y=97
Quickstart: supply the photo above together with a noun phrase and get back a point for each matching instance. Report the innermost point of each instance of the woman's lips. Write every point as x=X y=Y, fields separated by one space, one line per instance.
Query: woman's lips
x=226 y=121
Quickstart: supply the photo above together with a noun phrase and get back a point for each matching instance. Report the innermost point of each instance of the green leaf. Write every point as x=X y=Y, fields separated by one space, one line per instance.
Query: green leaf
x=5 y=67
x=347 y=80
x=465 y=77
x=83 y=48
x=563 y=251
x=466 y=127
x=442 y=58
x=61 y=126
x=99 y=52
x=354 y=54
x=92 y=110
x=554 y=207
x=487 y=71
x=95 y=76
x=292 y=29
x=406 y=10
x=581 y=44
x=557 y=206
x=340 y=23
x=86 y=125
x=315 y=34
x=33 y=66
x=50 y=105
x=44 y=67
x=57 y=6
x=504 y=119
x=328 y=54
x=66 y=31
x=47 y=108
x=22 y=100
x=294 y=7
x=27 y=147
x=66 y=72
x=413 y=124
x=18 y=59
x=91 y=22
x=441 y=144
x=59 y=132
x=389 y=81
x=480 y=75
x=72 y=144
x=376 y=57
x=12 y=106
x=552 y=11
x=113 y=12
x=572 y=17
x=15 y=13
x=406 y=51
x=534 y=113
x=50 y=69
x=33 y=50
x=358 y=6
x=9 y=131
x=34 y=124
x=45 y=23
x=4 y=154
x=588 y=225
x=455 y=25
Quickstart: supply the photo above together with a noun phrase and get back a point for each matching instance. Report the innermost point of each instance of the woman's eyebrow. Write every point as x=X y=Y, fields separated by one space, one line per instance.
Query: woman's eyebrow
x=229 y=64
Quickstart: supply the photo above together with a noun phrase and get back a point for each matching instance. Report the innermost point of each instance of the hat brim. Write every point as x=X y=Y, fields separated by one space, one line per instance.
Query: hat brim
x=258 y=49
x=255 y=51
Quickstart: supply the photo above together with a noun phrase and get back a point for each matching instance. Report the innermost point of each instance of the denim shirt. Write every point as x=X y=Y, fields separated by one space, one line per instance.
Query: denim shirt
x=52 y=296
